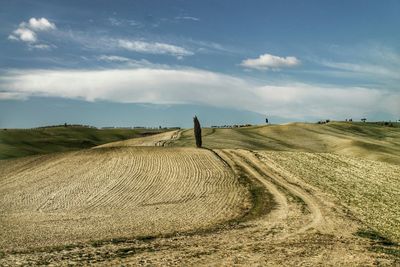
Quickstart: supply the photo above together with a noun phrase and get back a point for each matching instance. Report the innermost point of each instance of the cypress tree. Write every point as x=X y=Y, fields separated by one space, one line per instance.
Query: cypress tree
x=197 y=131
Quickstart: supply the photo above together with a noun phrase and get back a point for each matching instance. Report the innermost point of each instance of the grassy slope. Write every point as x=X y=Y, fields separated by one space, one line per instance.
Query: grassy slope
x=17 y=142
x=366 y=140
x=369 y=189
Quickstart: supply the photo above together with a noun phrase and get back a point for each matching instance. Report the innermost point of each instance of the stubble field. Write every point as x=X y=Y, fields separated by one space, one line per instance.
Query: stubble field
x=370 y=189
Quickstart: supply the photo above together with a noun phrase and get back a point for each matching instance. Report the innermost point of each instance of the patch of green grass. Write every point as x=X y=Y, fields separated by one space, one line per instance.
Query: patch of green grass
x=375 y=236
x=381 y=244
x=25 y=142
x=42 y=262
x=262 y=201
x=387 y=250
x=118 y=240
x=96 y=243
x=146 y=238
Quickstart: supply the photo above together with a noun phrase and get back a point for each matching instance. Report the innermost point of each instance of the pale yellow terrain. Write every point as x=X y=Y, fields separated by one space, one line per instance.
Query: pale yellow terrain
x=152 y=140
x=370 y=189
x=363 y=140
x=255 y=199
x=108 y=193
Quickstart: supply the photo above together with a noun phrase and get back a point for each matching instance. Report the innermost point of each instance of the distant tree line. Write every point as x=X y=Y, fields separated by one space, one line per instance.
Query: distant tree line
x=65 y=125
x=142 y=127
x=364 y=120
x=231 y=126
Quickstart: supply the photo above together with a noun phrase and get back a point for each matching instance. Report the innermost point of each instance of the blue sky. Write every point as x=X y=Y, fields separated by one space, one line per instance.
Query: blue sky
x=289 y=60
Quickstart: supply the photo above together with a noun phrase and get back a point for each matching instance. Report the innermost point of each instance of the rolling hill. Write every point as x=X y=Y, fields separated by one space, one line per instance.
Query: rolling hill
x=95 y=194
x=24 y=142
x=366 y=140
x=274 y=195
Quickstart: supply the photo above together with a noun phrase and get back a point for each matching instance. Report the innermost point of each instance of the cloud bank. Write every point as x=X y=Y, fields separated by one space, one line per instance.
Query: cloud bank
x=194 y=86
x=268 y=61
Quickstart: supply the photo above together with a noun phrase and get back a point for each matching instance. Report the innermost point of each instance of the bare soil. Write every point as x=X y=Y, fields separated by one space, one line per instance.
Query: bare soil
x=305 y=227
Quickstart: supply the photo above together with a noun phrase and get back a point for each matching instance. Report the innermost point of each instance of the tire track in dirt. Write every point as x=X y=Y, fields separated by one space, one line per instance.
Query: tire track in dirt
x=162 y=139
x=273 y=239
x=267 y=171
x=233 y=159
x=277 y=238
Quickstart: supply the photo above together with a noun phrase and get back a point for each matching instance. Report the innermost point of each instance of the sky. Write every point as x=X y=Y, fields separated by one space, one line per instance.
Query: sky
x=151 y=63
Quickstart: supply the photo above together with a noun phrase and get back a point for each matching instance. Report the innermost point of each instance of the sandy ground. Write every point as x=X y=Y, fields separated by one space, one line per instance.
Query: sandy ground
x=109 y=193
x=161 y=139
x=304 y=228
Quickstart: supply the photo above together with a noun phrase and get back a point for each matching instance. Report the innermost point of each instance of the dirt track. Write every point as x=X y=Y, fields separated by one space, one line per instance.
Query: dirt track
x=162 y=139
x=251 y=164
x=305 y=228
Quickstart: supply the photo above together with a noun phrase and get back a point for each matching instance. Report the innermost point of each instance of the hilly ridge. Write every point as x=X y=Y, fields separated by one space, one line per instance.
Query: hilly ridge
x=366 y=140
x=16 y=143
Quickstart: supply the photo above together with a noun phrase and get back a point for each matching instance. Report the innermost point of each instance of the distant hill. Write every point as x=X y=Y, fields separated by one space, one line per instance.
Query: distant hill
x=375 y=141
x=24 y=142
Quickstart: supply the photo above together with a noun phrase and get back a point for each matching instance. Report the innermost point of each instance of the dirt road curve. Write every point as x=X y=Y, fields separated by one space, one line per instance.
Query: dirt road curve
x=304 y=228
x=162 y=139
x=260 y=171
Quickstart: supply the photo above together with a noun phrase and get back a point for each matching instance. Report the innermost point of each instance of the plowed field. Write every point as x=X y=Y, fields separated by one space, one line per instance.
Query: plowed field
x=113 y=192
x=128 y=204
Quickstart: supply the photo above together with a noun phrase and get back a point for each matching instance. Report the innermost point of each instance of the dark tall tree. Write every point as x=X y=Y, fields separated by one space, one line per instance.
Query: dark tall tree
x=197 y=131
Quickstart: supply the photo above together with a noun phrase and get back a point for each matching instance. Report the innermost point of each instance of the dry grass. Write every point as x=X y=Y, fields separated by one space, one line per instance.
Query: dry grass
x=370 y=189
x=304 y=228
x=370 y=141
x=152 y=140
x=113 y=192
x=118 y=193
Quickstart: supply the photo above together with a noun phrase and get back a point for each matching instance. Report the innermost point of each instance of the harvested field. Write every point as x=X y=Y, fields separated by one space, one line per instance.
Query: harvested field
x=152 y=140
x=16 y=143
x=370 y=189
x=279 y=208
x=302 y=228
x=363 y=140
x=106 y=193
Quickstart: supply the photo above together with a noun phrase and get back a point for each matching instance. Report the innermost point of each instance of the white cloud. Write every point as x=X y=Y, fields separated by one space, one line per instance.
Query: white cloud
x=123 y=22
x=194 y=86
x=127 y=62
x=154 y=48
x=268 y=61
x=26 y=31
x=41 y=46
x=114 y=21
x=41 y=24
x=23 y=34
x=12 y=37
x=366 y=69
x=113 y=58
x=12 y=96
x=187 y=18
